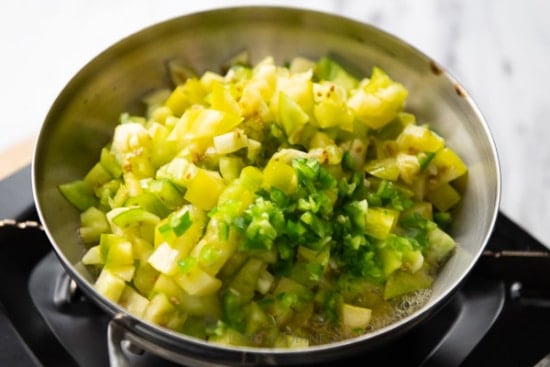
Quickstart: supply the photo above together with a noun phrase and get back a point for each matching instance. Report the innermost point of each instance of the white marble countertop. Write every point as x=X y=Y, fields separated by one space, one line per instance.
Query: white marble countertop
x=498 y=50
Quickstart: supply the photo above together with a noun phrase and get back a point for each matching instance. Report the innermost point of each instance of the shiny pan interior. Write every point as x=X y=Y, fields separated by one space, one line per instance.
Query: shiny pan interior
x=82 y=119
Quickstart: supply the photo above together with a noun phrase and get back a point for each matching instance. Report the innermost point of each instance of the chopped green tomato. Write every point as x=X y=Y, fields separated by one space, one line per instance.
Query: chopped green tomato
x=290 y=342
x=279 y=175
x=177 y=224
x=447 y=166
x=116 y=250
x=440 y=246
x=380 y=222
x=415 y=139
x=424 y=159
x=196 y=281
x=109 y=162
x=356 y=155
x=213 y=253
x=179 y=171
x=125 y=272
x=391 y=260
x=257 y=321
x=254 y=149
x=134 y=302
x=292 y=117
x=79 y=193
x=403 y=282
x=211 y=122
x=385 y=168
x=330 y=109
x=107 y=194
x=145 y=278
x=204 y=189
x=109 y=285
x=230 y=142
x=378 y=101
x=133 y=216
x=208 y=306
x=328 y=69
x=313 y=256
x=167 y=192
x=161 y=311
x=92 y=256
x=230 y=168
x=119 y=198
x=423 y=209
x=245 y=281
x=233 y=310
x=165 y=259
x=396 y=126
x=184 y=96
x=162 y=149
x=97 y=176
x=167 y=286
x=444 y=197
x=149 y=202
x=409 y=167
x=354 y=317
x=270 y=206
x=265 y=281
x=141 y=249
x=223 y=100
x=228 y=337
x=93 y=223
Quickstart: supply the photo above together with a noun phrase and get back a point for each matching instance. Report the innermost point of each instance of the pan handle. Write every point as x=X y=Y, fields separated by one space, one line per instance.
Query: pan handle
x=115 y=337
x=21 y=225
x=531 y=268
x=125 y=347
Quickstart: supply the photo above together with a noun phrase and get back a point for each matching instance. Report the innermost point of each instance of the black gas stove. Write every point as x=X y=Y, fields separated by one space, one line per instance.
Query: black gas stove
x=500 y=316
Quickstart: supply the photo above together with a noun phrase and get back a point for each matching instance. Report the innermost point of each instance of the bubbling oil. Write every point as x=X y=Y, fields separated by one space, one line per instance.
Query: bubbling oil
x=399 y=308
x=321 y=331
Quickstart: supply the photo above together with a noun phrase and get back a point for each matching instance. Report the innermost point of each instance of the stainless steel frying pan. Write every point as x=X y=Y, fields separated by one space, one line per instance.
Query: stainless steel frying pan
x=83 y=117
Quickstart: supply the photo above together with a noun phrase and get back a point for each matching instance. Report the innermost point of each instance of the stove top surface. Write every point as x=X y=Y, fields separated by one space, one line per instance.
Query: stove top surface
x=499 y=316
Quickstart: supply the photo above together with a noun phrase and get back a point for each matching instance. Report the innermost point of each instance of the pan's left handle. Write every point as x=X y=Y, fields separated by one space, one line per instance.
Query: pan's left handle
x=12 y=223
x=116 y=337
x=125 y=346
